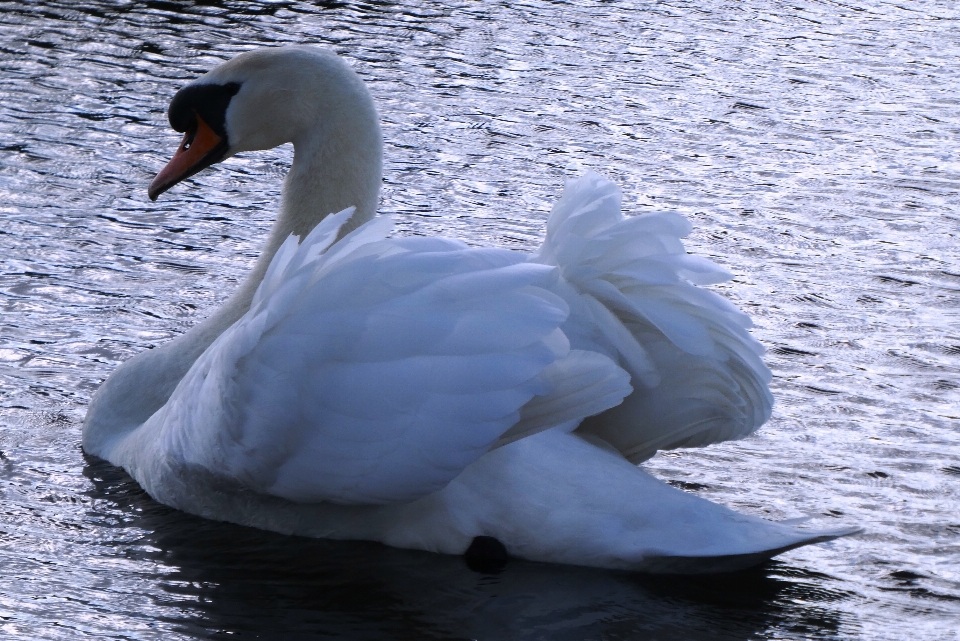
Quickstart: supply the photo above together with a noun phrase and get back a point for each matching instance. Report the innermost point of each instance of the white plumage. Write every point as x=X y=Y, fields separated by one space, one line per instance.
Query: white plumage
x=420 y=392
x=373 y=372
x=697 y=372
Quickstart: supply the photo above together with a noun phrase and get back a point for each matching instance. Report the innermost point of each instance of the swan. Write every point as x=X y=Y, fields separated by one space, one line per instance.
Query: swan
x=430 y=395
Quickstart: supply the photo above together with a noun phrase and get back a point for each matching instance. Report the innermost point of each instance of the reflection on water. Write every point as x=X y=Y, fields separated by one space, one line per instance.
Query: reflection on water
x=239 y=580
x=812 y=145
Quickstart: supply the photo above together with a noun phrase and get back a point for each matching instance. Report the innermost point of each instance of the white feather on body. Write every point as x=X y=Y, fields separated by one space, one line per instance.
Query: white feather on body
x=386 y=375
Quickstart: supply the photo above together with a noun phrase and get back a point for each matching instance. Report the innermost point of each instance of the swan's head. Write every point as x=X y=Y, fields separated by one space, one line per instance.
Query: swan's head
x=259 y=100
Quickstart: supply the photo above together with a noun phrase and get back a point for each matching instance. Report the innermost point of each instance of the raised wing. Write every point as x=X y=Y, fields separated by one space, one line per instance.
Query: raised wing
x=373 y=370
x=696 y=372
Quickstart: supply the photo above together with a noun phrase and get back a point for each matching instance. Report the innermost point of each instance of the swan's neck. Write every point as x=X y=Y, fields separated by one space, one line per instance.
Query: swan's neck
x=337 y=164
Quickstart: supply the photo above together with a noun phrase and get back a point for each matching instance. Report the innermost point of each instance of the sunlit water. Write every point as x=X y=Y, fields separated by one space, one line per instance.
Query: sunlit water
x=813 y=145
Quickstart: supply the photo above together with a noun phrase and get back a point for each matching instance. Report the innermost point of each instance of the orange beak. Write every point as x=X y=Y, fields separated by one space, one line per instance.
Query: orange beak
x=198 y=150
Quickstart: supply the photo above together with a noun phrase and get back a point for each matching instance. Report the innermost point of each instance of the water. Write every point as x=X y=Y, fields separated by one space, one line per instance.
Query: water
x=813 y=145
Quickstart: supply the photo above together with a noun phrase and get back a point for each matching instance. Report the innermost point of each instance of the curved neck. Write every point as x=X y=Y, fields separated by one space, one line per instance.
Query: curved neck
x=328 y=174
x=337 y=163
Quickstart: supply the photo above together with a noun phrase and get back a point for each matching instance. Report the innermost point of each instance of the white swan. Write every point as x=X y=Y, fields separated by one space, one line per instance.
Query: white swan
x=421 y=393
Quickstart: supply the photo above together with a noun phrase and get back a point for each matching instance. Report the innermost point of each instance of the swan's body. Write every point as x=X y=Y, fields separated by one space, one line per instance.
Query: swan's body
x=422 y=393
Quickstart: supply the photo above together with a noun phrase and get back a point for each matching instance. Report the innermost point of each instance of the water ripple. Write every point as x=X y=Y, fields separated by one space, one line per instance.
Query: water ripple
x=810 y=143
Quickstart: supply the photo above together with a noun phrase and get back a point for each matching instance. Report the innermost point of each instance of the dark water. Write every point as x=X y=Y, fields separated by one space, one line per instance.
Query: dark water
x=813 y=144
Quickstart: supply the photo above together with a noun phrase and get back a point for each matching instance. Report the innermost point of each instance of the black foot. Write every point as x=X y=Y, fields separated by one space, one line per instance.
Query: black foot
x=486 y=555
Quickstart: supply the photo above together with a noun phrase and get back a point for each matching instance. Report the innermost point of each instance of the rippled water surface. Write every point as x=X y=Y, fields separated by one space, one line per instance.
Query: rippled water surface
x=813 y=145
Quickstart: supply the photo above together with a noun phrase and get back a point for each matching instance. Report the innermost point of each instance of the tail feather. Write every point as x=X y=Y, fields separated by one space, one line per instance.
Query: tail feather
x=696 y=372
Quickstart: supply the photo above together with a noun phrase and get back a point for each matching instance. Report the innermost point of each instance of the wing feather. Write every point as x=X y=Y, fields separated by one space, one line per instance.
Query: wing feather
x=696 y=372
x=372 y=372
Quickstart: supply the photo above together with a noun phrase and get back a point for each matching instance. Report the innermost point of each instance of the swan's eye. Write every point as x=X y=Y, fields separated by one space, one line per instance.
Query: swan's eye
x=188 y=140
